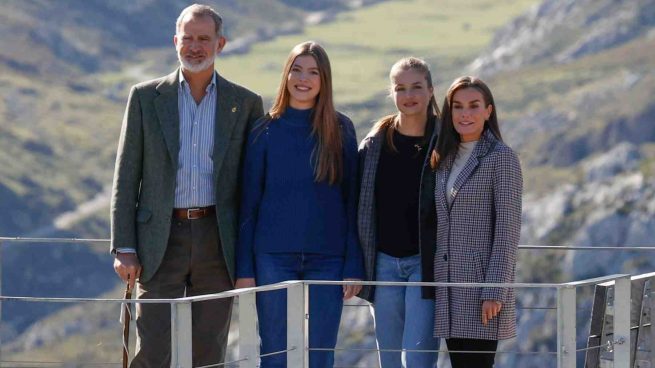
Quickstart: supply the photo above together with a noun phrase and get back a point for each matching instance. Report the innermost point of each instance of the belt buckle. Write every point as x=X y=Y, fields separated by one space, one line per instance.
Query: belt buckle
x=191 y=211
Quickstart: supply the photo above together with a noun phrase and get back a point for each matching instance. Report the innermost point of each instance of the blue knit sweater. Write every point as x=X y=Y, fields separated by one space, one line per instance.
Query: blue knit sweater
x=283 y=210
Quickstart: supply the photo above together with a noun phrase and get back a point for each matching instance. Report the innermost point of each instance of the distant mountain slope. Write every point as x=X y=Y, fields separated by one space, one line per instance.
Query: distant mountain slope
x=573 y=78
x=584 y=107
x=565 y=30
x=91 y=35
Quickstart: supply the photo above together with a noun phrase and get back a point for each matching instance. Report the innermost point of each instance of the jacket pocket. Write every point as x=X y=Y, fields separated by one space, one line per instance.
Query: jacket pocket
x=143 y=215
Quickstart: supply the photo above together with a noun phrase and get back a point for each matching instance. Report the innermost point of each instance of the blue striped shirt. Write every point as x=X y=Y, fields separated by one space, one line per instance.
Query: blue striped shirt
x=195 y=169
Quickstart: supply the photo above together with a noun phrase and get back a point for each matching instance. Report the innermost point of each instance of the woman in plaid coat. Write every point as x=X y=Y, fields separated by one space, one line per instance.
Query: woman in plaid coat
x=478 y=191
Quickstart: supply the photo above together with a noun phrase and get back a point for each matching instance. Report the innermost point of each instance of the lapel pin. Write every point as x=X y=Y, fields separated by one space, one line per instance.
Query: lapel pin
x=234 y=109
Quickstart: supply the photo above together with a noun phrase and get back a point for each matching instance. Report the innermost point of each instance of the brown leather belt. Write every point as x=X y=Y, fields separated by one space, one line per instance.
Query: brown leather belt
x=193 y=213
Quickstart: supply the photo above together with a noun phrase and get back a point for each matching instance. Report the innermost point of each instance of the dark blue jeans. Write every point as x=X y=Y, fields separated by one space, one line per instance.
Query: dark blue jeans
x=325 y=304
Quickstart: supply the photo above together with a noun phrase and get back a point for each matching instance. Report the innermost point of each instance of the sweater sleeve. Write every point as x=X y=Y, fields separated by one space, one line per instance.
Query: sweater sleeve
x=253 y=174
x=354 y=260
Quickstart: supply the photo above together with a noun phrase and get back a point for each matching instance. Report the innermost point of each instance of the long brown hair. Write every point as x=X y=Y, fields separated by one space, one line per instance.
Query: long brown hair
x=391 y=121
x=449 y=139
x=327 y=156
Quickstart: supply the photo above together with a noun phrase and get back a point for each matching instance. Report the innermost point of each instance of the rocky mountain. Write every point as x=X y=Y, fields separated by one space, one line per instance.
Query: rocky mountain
x=573 y=81
x=562 y=31
x=611 y=203
x=575 y=76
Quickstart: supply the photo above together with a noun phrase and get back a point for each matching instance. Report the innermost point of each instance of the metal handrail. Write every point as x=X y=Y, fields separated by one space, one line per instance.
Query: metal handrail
x=297 y=301
x=566 y=305
x=20 y=239
x=287 y=284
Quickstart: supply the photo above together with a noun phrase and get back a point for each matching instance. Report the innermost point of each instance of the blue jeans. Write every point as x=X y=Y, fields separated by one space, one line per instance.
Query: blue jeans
x=403 y=320
x=325 y=304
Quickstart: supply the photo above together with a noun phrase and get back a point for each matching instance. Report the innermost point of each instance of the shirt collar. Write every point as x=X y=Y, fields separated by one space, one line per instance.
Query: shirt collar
x=183 y=81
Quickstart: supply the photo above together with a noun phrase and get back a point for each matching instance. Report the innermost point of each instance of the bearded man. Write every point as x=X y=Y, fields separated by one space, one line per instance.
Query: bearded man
x=175 y=197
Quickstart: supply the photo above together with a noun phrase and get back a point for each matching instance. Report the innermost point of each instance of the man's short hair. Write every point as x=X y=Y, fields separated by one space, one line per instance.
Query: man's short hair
x=200 y=10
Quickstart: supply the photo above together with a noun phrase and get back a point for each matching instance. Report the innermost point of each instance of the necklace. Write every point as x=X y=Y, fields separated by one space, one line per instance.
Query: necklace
x=418 y=147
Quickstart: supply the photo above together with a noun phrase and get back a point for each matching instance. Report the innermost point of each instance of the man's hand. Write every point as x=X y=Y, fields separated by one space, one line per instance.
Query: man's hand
x=490 y=309
x=127 y=267
x=245 y=283
x=351 y=290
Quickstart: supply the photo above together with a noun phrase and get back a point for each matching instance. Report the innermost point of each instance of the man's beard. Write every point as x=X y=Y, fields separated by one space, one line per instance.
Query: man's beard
x=196 y=68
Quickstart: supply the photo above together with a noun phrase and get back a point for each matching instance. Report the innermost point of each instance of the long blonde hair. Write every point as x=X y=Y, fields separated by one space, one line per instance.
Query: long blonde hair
x=327 y=156
x=391 y=121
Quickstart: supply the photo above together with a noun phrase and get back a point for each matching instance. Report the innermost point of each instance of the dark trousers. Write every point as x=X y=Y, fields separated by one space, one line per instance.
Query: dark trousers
x=472 y=360
x=193 y=265
x=325 y=305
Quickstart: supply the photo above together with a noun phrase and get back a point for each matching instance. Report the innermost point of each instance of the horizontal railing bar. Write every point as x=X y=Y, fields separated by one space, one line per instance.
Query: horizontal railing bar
x=199 y=298
x=535 y=308
x=604 y=346
x=438 y=351
x=237 y=292
x=368 y=305
x=440 y=284
x=277 y=352
x=576 y=247
x=632 y=328
x=20 y=239
x=638 y=277
x=596 y=280
x=32 y=362
x=287 y=284
x=98 y=300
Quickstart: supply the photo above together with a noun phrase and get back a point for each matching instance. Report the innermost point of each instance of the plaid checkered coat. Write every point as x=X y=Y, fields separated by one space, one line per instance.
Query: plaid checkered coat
x=477 y=240
x=369 y=156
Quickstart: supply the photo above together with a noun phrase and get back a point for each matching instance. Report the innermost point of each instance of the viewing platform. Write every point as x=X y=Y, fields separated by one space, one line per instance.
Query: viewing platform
x=619 y=333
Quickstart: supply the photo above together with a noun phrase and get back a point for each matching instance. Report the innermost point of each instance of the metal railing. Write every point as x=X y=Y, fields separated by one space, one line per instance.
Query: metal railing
x=298 y=313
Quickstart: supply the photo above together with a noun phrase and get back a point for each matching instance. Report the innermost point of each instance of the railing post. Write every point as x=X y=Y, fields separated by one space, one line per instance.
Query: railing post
x=248 y=339
x=297 y=324
x=566 y=330
x=181 y=356
x=622 y=346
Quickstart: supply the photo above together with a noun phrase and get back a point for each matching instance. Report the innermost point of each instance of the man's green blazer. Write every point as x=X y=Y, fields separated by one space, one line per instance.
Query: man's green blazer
x=143 y=191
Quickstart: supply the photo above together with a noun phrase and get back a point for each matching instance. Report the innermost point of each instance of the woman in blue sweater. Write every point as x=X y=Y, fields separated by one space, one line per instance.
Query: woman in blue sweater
x=298 y=206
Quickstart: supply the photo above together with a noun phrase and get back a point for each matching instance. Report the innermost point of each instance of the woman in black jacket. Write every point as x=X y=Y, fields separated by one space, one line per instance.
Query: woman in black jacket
x=396 y=217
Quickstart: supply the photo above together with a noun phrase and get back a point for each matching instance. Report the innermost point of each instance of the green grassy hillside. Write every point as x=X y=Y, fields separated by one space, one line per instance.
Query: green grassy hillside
x=363 y=44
